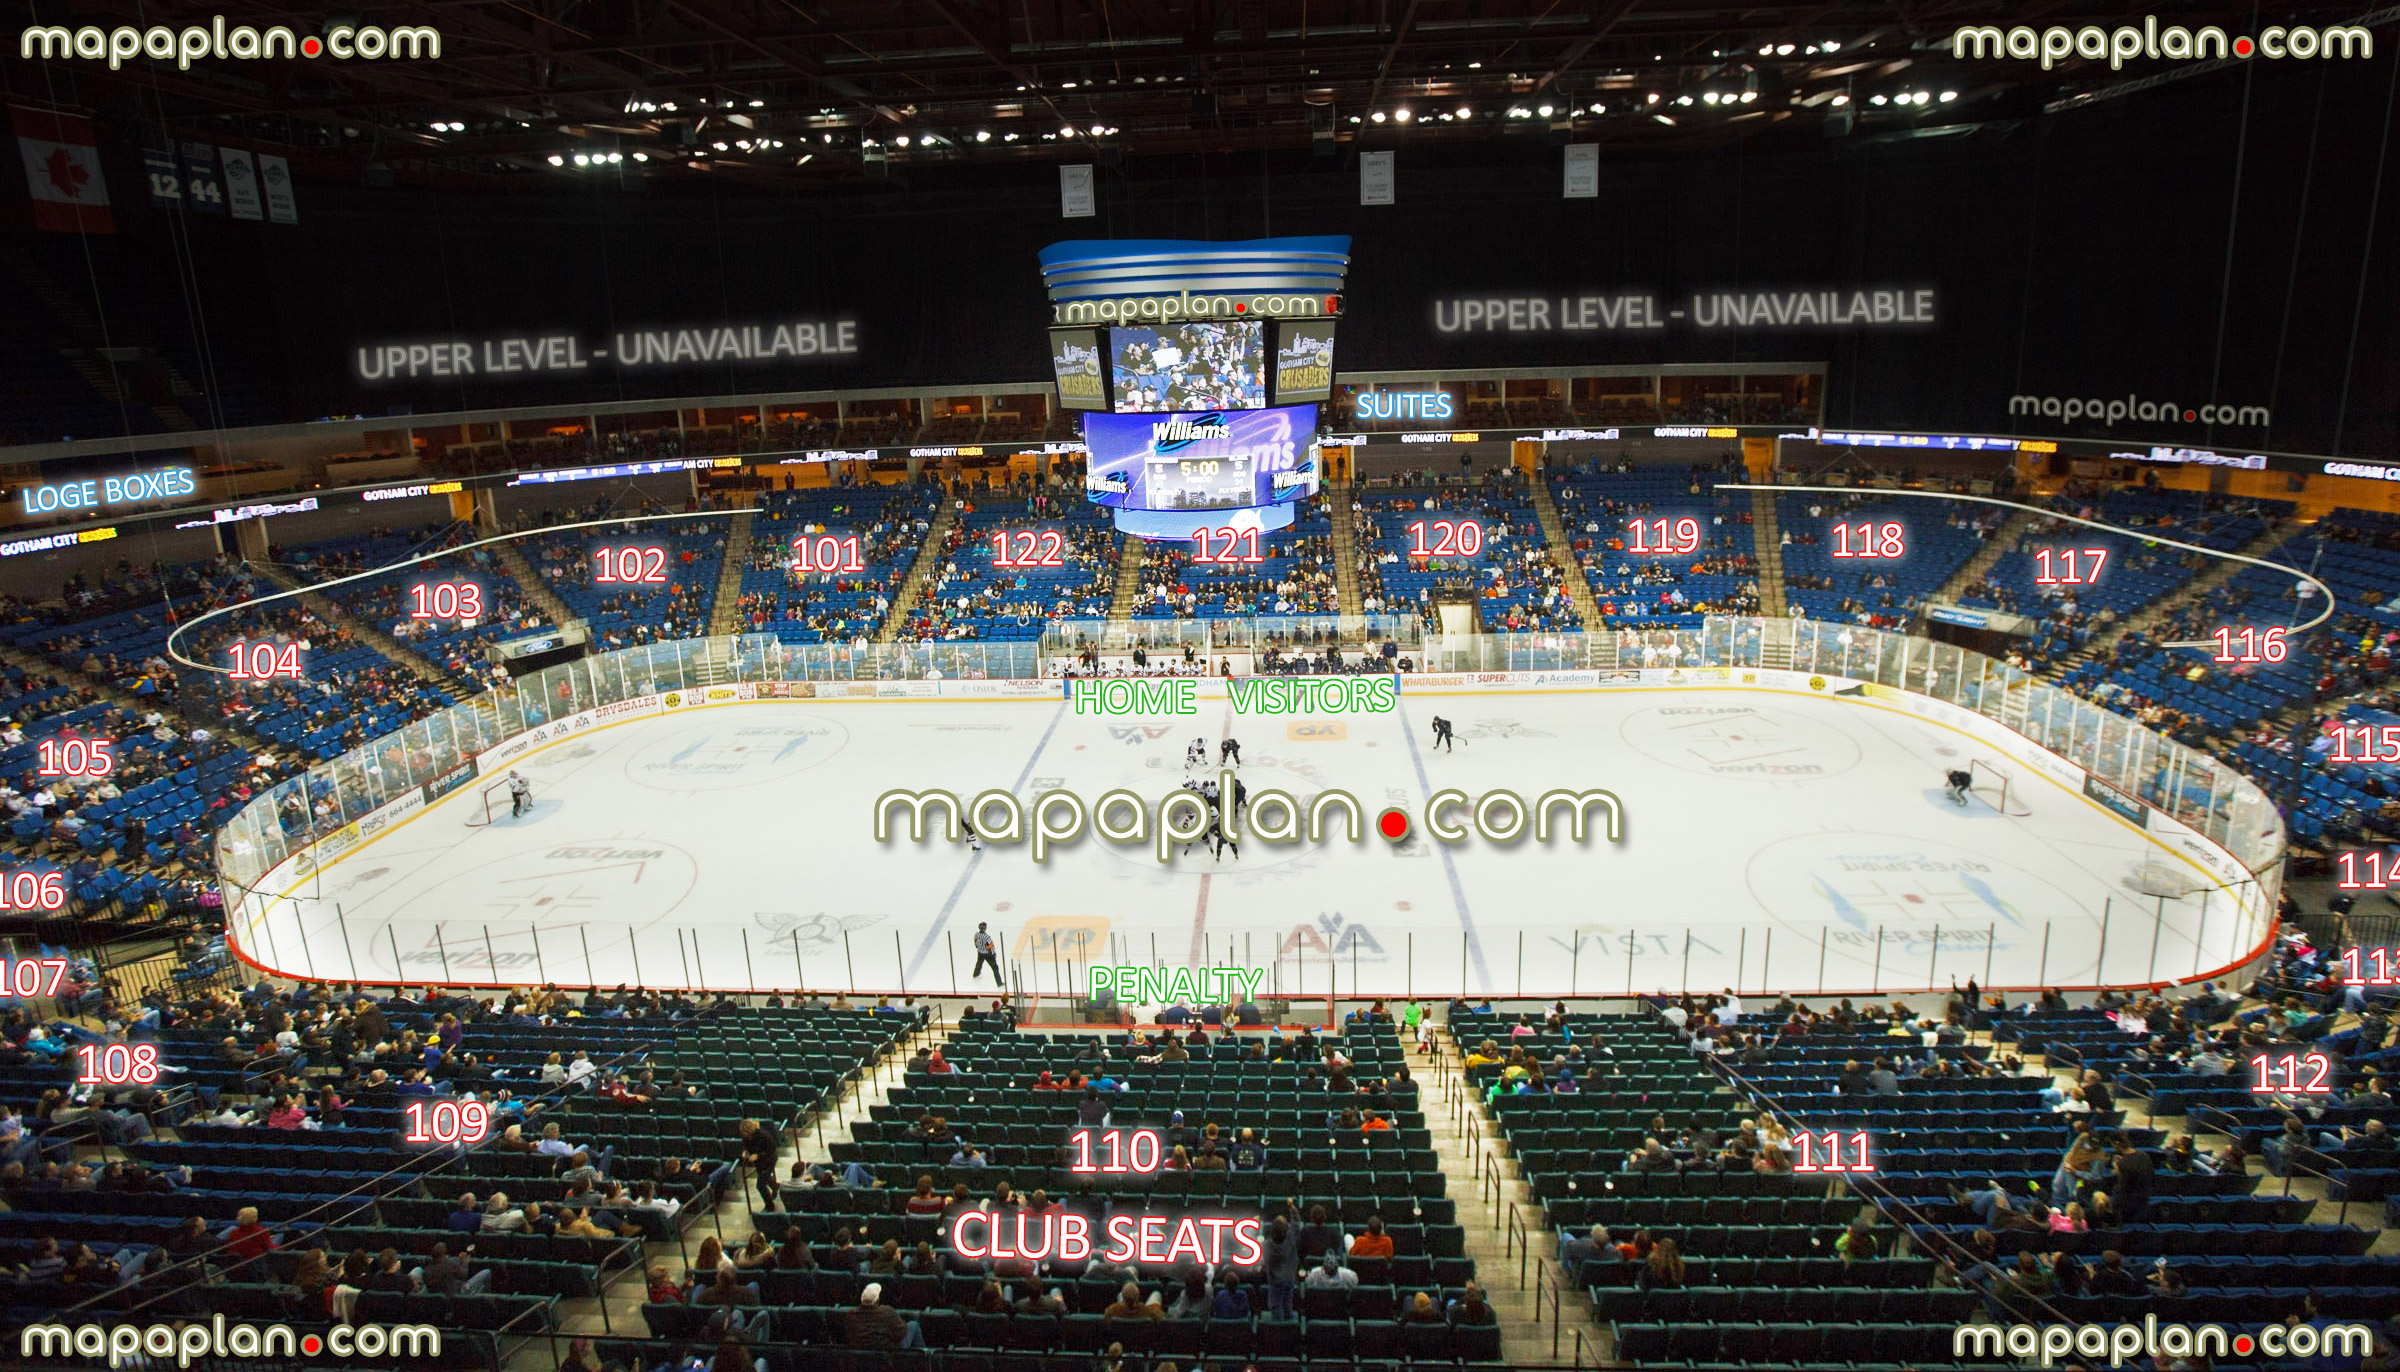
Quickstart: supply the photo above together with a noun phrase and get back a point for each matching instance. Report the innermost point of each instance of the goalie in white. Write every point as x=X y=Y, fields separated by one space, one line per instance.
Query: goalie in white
x=520 y=794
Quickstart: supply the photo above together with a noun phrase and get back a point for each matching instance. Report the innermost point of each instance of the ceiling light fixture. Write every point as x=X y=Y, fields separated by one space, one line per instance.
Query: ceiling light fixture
x=1831 y=46
x=1664 y=120
x=1748 y=96
x=582 y=161
x=1401 y=114
x=557 y=161
x=1377 y=116
x=641 y=157
x=1542 y=110
x=1783 y=50
x=1948 y=96
x=1465 y=113
x=1841 y=100
x=983 y=135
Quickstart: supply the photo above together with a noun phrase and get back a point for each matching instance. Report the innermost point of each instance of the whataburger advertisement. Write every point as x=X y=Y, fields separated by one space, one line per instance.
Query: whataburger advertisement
x=1179 y=461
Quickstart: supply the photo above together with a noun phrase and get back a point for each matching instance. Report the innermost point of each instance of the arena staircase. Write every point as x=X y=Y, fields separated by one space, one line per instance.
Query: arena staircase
x=618 y=1310
x=928 y=561
x=2199 y=588
x=725 y=612
x=357 y=628
x=535 y=586
x=1767 y=538
x=1129 y=589
x=1516 y=1255
x=1562 y=552
x=1345 y=556
x=2002 y=542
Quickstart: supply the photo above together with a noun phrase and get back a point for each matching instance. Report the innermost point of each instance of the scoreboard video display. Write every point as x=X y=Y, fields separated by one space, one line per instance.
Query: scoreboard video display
x=1210 y=460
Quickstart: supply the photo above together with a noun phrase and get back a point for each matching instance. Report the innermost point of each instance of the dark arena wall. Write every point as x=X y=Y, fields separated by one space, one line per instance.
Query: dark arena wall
x=2222 y=261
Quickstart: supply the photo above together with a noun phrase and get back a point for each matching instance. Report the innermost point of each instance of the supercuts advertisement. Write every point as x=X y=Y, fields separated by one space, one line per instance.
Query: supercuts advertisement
x=1210 y=461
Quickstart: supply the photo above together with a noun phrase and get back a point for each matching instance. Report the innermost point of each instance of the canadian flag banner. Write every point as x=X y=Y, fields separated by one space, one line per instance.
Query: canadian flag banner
x=62 y=170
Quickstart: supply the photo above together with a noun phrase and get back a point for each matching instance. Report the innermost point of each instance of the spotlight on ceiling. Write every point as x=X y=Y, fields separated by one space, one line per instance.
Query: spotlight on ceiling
x=1377 y=116
x=983 y=135
x=1543 y=110
x=1401 y=114
x=557 y=161
x=1948 y=96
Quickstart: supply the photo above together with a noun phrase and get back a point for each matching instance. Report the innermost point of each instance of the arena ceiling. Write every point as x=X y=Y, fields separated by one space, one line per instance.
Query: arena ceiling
x=815 y=90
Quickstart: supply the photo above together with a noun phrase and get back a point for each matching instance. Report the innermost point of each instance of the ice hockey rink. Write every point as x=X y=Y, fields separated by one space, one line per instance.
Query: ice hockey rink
x=1769 y=840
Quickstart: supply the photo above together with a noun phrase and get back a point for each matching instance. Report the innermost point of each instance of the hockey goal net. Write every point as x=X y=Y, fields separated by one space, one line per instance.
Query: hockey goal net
x=1994 y=785
x=491 y=803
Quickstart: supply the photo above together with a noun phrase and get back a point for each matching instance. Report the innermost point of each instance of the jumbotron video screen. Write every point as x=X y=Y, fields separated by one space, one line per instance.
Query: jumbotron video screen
x=922 y=687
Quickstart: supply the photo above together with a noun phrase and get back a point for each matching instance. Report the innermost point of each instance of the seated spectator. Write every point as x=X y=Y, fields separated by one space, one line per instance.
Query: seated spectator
x=1037 y=1299
x=1195 y=1301
x=248 y=1240
x=662 y=1290
x=1232 y=1300
x=1470 y=1310
x=875 y=1325
x=1664 y=1269
x=1330 y=1274
x=499 y=1217
x=444 y=1275
x=1374 y=1243
x=1574 y=1250
x=2114 y=1279
x=1129 y=1305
